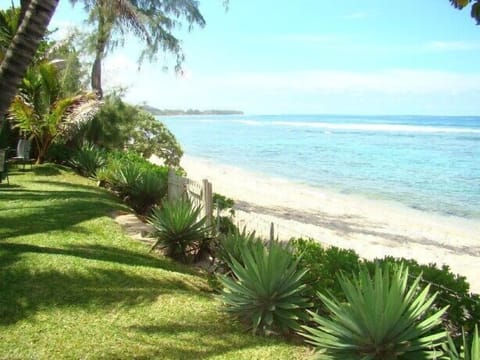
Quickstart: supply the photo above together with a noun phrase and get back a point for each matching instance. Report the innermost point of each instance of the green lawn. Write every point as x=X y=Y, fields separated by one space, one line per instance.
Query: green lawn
x=73 y=286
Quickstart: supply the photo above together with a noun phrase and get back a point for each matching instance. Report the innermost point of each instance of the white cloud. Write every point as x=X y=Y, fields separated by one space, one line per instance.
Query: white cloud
x=452 y=45
x=378 y=92
x=391 y=81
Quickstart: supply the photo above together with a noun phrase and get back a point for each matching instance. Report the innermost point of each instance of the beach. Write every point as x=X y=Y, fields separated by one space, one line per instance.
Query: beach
x=373 y=228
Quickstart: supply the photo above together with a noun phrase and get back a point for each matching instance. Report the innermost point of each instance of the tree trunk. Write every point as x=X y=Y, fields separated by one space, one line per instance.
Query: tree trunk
x=102 y=39
x=97 y=74
x=24 y=4
x=22 y=49
x=43 y=144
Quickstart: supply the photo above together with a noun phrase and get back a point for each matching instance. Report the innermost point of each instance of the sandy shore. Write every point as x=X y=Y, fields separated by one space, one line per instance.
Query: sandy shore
x=370 y=227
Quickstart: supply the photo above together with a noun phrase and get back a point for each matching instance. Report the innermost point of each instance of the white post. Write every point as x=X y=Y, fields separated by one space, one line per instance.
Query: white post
x=207 y=201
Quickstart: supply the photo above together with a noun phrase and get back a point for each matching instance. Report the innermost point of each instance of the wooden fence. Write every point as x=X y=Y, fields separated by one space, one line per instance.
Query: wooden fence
x=199 y=193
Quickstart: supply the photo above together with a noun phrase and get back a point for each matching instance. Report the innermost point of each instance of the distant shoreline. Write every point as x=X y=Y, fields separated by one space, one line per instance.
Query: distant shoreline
x=176 y=112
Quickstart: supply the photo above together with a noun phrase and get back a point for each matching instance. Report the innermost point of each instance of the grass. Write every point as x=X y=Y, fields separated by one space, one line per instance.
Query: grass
x=73 y=286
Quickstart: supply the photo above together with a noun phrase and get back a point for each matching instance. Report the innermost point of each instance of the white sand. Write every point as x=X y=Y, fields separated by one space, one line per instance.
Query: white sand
x=372 y=228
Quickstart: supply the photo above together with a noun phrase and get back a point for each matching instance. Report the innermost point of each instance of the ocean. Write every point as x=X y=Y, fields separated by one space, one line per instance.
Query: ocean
x=430 y=163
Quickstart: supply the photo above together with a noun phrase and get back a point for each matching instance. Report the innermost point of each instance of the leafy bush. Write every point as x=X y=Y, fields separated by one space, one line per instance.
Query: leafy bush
x=88 y=159
x=453 y=290
x=383 y=318
x=469 y=350
x=147 y=192
x=60 y=153
x=266 y=291
x=323 y=265
x=224 y=205
x=229 y=247
x=178 y=231
x=139 y=183
x=119 y=124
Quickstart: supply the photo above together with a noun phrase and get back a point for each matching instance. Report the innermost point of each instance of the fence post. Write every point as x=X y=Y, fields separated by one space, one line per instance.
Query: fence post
x=217 y=226
x=171 y=184
x=208 y=201
x=272 y=232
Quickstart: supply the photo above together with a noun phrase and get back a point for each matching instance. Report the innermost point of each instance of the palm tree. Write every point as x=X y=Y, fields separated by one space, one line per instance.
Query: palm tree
x=35 y=15
x=8 y=28
x=150 y=21
x=475 y=12
x=40 y=111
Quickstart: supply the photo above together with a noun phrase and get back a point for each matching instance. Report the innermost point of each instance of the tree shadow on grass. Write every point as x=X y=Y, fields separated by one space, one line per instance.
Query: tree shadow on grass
x=26 y=291
x=213 y=337
x=57 y=209
x=46 y=170
x=10 y=252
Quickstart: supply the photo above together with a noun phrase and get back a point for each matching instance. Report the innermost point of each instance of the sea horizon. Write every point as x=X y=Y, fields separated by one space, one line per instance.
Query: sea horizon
x=429 y=163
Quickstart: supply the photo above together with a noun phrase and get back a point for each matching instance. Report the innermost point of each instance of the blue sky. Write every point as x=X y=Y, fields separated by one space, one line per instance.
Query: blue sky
x=312 y=56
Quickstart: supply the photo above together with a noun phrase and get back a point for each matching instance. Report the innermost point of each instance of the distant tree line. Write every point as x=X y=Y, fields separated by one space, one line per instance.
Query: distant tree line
x=174 y=112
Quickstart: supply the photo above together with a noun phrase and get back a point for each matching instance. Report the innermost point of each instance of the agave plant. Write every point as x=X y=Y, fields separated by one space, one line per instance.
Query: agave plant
x=178 y=231
x=228 y=247
x=382 y=319
x=124 y=176
x=147 y=191
x=88 y=159
x=468 y=351
x=266 y=291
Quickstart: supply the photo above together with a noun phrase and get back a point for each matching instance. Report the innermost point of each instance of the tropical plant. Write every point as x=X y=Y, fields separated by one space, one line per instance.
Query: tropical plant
x=229 y=247
x=60 y=152
x=382 y=318
x=469 y=350
x=121 y=177
x=8 y=28
x=323 y=265
x=475 y=12
x=223 y=206
x=134 y=179
x=178 y=230
x=266 y=290
x=88 y=159
x=148 y=191
x=453 y=290
x=66 y=54
x=148 y=136
x=35 y=16
x=151 y=21
x=118 y=125
x=41 y=112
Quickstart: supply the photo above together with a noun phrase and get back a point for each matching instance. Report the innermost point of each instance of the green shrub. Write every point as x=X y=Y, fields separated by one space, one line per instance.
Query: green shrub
x=323 y=265
x=224 y=222
x=119 y=124
x=59 y=153
x=148 y=191
x=88 y=159
x=266 y=290
x=178 y=231
x=453 y=290
x=229 y=247
x=139 y=183
x=469 y=350
x=383 y=318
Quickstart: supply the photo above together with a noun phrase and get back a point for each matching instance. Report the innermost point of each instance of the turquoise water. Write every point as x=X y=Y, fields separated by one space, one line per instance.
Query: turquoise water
x=428 y=163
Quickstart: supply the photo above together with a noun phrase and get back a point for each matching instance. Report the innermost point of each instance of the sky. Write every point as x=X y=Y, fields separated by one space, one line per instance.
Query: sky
x=310 y=57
